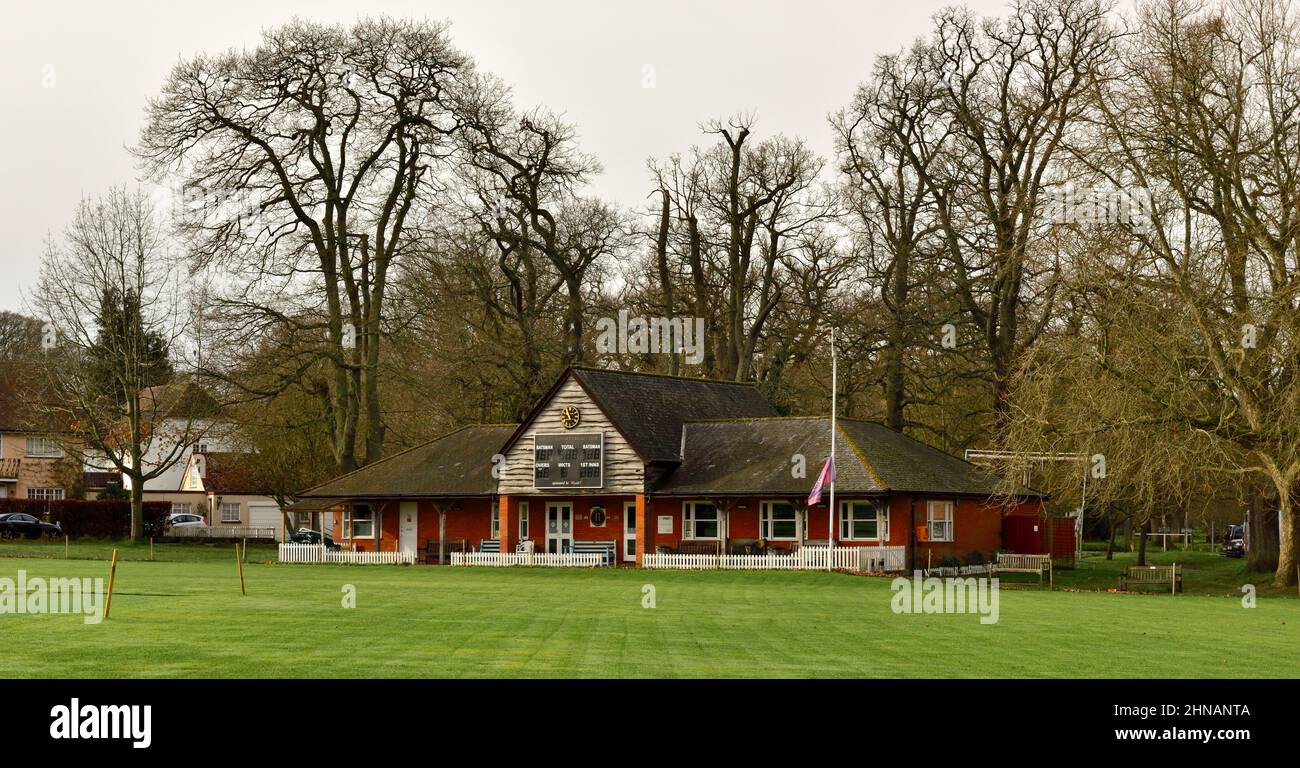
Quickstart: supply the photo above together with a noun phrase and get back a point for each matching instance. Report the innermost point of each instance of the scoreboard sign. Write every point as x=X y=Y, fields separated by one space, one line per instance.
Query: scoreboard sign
x=569 y=460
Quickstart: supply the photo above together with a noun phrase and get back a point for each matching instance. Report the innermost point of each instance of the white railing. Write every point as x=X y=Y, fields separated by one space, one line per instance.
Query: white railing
x=871 y=559
x=882 y=559
x=538 y=559
x=219 y=532
x=314 y=553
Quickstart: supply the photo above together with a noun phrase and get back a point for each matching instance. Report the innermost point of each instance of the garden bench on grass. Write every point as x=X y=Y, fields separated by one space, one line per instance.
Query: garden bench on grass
x=1008 y=562
x=603 y=548
x=1170 y=576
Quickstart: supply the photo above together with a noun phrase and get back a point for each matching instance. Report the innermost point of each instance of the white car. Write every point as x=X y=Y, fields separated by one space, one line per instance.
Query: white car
x=184 y=520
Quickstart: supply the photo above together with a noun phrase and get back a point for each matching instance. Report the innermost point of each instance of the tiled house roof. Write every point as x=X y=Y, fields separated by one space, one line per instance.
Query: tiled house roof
x=457 y=464
x=753 y=456
x=650 y=409
x=743 y=456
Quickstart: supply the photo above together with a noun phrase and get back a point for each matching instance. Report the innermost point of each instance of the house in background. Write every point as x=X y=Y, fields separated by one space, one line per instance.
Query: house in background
x=643 y=463
x=225 y=483
x=184 y=420
x=33 y=462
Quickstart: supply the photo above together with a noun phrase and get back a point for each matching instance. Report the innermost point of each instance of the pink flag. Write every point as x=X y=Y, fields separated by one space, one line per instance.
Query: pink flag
x=827 y=476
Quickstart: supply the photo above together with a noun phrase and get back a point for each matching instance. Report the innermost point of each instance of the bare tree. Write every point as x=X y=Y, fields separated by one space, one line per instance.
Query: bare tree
x=112 y=298
x=304 y=162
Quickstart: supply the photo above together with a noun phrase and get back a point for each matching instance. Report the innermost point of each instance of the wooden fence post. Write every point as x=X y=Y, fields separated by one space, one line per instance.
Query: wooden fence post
x=112 y=575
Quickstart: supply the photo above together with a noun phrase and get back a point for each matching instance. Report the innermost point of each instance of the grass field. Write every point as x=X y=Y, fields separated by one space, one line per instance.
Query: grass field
x=184 y=617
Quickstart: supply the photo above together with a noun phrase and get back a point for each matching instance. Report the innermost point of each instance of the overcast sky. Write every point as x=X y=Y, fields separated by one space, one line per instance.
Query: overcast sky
x=74 y=77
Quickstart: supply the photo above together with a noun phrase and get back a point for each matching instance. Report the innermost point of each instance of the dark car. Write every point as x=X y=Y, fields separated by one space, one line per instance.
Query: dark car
x=308 y=536
x=1234 y=541
x=14 y=525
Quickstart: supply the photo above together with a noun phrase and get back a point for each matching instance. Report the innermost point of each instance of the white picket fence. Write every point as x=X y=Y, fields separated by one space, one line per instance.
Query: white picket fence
x=872 y=559
x=538 y=559
x=314 y=553
x=219 y=532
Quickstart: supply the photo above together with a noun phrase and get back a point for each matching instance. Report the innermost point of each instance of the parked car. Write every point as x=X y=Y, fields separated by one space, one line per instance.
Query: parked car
x=1234 y=541
x=14 y=525
x=308 y=536
x=184 y=520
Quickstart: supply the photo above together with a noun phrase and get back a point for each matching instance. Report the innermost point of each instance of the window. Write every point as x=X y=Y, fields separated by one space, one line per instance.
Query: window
x=939 y=525
x=523 y=520
x=861 y=520
x=359 y=522
x=700 y=521
x=229 y=512
x=45 y=494
x=43 y=447
x=778 y=520
x=182 y=507
x=496 y=523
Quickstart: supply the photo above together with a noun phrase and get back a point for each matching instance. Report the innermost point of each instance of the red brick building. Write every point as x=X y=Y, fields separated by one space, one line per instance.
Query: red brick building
x=643 y=463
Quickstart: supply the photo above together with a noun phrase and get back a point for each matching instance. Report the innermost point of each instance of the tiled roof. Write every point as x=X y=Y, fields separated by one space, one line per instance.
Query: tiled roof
x=649 y=409
x=755 y=456
x=232 y=473
x=457 y=464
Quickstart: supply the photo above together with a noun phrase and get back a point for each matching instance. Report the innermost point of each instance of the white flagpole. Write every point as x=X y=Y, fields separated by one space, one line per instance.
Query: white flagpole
x=830 y=530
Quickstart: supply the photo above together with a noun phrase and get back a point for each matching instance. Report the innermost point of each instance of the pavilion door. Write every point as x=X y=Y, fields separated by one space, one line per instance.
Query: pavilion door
x=559 y=526
x=629 y=532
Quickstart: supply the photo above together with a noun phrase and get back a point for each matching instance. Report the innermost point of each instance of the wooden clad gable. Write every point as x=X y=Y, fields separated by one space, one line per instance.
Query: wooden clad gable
x=624 y=470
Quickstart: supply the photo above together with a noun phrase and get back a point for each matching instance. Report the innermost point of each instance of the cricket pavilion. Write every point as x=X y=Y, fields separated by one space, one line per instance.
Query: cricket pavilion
x=619 y=468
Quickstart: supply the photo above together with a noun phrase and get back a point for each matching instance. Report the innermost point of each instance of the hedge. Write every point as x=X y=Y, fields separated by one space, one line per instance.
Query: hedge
x=90 y=519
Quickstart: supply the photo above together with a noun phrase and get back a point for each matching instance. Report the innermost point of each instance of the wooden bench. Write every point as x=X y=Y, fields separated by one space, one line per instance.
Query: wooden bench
x=1008 y=562
x=699 y=547
x=1170 y=576
x=604 y=548
x=431 y=550
x=489 y=545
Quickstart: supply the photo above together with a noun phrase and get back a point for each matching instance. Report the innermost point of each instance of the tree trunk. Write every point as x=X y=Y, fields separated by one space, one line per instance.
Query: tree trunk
x=1110 y=540
x=1263 y=552
x=665 y=276
x=137 y=483
x=1287 y=560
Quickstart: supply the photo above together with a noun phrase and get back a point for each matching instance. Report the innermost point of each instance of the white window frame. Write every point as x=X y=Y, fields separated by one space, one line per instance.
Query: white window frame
x=689 y=521
x=846 y=524
x=182 y=508
x=350 y=520
x=46 y=494
x=226 y=505
x=496 y=524
x=523 y=520
x=765 y=521
x=949 y=518
x=46 y=447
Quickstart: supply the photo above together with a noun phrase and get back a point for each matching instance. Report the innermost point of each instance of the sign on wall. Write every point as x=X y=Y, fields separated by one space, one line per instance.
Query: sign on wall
x=569 y=460
x=665 y=524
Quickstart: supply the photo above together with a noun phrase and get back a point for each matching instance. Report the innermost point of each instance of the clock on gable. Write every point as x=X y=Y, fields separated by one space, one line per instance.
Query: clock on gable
x=570 y=416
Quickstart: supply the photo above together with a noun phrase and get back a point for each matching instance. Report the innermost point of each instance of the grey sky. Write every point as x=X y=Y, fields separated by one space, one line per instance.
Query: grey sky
x=74 y=78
